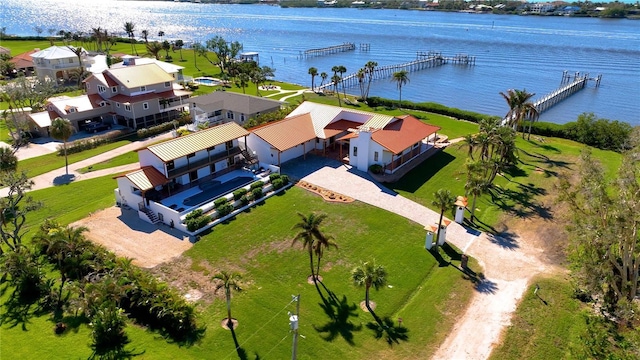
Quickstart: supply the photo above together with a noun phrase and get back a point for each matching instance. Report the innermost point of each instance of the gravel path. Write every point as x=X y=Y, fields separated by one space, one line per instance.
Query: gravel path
x=509 y=264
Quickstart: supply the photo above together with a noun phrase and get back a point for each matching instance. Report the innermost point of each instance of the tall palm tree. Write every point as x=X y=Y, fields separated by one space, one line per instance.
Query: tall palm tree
x=519 y=107
x=361 y=76
x=443 y=200
x=61 y=129
x=145 y=35
x=321 y=244
x=323 y=76
x=401 y=78
x=309 y=233
x=160 y=34
x=198 y=49
x=369 y=67
x=178 y=45
x=341 y=71
x=335 y=79
x=313 y=72
x=129 y=28
x=228 y=281
x=166 y=46
x=476 y=185
x=369 y=274
x=153 y=49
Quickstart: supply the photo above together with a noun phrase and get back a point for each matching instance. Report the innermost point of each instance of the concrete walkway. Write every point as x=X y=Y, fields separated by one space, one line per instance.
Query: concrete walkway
x=508 y=264
x=57 y=177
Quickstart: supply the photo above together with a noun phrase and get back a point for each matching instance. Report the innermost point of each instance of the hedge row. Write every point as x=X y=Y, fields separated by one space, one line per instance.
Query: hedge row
x=164 y=127
x=91 y=143
x=429 y=107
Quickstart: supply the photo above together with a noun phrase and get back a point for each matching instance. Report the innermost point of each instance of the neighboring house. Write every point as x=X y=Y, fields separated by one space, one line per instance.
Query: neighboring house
x=23 y=63
x=129 y=60
x=222 y=106
x=55 y=62
x=541 y=8
x=177 y=165
x=139 y=95
x=133 y=96
x=369 y=138
x=5 y=51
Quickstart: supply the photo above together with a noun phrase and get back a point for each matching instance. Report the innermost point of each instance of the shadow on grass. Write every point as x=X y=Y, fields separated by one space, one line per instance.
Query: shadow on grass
x=521 y=201
x=242 y=353
x=415 y=178
x=480 y=283
x=545 y=147
x=386 y=329
x=339 y=311
x=19 y=309
x=116 y=354
x=543 y=159
x=505 y=239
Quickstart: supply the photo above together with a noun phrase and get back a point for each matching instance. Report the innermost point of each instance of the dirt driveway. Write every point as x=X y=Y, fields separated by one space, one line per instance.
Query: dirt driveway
x=122 y=232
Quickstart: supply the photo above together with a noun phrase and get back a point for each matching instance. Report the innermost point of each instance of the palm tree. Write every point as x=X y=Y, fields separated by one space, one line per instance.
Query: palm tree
x=323 y=76
x=443 y=200
x=335 y=79
x=8 y=159
x=369 y=67
x=160 y=34
x=313 y=72
x=154 y=48
x=519 y=107
x=309 y=233
x=369 y=274
x=197 y=50
x=476 y=185
x=228 y=281
x=61 y=129
x=400 y=78
x=178 y=45
x=361 y=75
x=342 y=70
x=129 y=28
x=166 y=46
x=145 y=36
x=321 y=244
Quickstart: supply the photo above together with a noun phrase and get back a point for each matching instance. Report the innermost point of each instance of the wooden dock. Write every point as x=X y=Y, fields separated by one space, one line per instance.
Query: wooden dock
x=569 y=86
x=329 y=50
x=423 y=61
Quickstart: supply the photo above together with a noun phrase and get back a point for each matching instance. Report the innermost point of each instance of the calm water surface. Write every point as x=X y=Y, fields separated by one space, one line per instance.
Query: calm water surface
x=521 y=52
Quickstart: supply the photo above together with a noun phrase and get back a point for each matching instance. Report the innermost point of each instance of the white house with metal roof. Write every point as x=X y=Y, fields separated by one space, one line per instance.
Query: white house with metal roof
x=187 y=163
x=367 y=138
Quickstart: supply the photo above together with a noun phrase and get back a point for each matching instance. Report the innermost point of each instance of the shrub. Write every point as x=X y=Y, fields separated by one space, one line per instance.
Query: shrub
x=277 y=184
x=429 y=107
x=164 y=127
x=91 y=143
x=183 y=132
x=194 y=214
x=257 y=185
x=376 y=168
x=274 y=176
x=108 y=329
x=256 y=193
x=239 y=193
x=244 y=199
x=198 y=222
x=224 y=210
x=220 y=202
x=285 y=179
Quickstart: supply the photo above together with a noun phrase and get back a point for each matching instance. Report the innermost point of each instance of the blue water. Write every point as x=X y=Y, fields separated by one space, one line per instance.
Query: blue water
x=521 y=52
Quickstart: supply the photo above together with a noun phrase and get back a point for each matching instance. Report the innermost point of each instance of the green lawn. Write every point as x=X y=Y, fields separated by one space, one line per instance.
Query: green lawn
x=517 y=193
x=544 y=327
x=124 y=159
x=45 y=163
x=257 y=243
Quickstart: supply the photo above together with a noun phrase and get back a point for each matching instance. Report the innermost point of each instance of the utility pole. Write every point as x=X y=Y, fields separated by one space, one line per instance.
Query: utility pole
x=293 y=321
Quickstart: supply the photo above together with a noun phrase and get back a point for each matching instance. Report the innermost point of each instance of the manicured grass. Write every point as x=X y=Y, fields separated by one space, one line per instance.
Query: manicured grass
x=124 y=159
x=517 y=193
x=257 y=243
x=545 y=326
x=45 y=163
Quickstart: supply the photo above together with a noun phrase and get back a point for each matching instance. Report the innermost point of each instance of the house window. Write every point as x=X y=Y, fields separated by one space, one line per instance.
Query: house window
x=127 y=107
x=229 y=144
x=231 y=161
x=167 y=84
x=229 y=115
x=170 y=166
x=101 y=88
x=72 y=110
x=217 y=113
x=355 y=151
x=118 y=105
x=114 y=89
x=375 y=156
x=70 y=61
x=416 y=145
x=242 y=117
x=88 y=86
x=193 y=176
x=145 y=106
x=143 y=88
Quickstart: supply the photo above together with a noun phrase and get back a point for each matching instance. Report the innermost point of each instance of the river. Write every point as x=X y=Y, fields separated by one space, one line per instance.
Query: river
x=512 y=52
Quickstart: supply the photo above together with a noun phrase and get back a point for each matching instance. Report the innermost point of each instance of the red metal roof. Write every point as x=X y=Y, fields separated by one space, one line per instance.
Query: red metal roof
x=403 y=133
x=288 y=133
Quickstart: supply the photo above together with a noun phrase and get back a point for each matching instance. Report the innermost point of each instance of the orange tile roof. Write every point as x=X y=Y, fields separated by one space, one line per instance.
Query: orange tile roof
x=403 y=133
x=23 y=60
x=288 y=133
x=339 y=126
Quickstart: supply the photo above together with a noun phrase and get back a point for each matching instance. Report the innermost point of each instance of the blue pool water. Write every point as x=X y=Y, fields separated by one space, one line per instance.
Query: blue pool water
x=216 y=191
x=206 y=81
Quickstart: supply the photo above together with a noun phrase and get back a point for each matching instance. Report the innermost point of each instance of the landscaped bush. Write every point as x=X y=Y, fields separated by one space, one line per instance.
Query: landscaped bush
x=277 y=184
x=194 y=214
x=376 y=168
x=197 y=222
x=257 y=185
x=91 y=143
x=428 y=107
x=224 y=210
x=220 y=202
x=256 y=193
x=164 y=127
x=245 y=199
x=239 y=193
x=285 y=179
x=274 y=176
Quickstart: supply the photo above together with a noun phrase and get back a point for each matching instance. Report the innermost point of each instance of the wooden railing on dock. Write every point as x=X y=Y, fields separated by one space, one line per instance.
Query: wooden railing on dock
x=330 y=50
x=570 y=85
x=423 y=61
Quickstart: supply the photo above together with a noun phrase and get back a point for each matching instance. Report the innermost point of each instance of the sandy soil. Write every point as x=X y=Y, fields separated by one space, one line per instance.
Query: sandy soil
x=122 y=232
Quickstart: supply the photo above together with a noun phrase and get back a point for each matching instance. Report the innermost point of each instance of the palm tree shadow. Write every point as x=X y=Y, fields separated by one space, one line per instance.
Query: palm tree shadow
x=385 y=328
x=242 y=353
x=19 y=309
x=339 y=312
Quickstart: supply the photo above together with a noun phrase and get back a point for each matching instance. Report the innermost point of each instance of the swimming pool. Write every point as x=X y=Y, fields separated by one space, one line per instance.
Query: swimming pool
x=218 y=190
x=207 y=81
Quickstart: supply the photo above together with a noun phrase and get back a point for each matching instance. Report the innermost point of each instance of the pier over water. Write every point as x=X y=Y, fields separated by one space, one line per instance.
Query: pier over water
x=570 y=85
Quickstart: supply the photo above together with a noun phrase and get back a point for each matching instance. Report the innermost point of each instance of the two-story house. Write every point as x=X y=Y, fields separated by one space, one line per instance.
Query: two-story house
x=222 y=106
x=56 y=62
x=139 y=95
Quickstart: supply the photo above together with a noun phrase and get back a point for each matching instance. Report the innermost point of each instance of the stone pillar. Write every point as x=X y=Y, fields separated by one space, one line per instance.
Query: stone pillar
x=431 y=231
x=461 y=205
